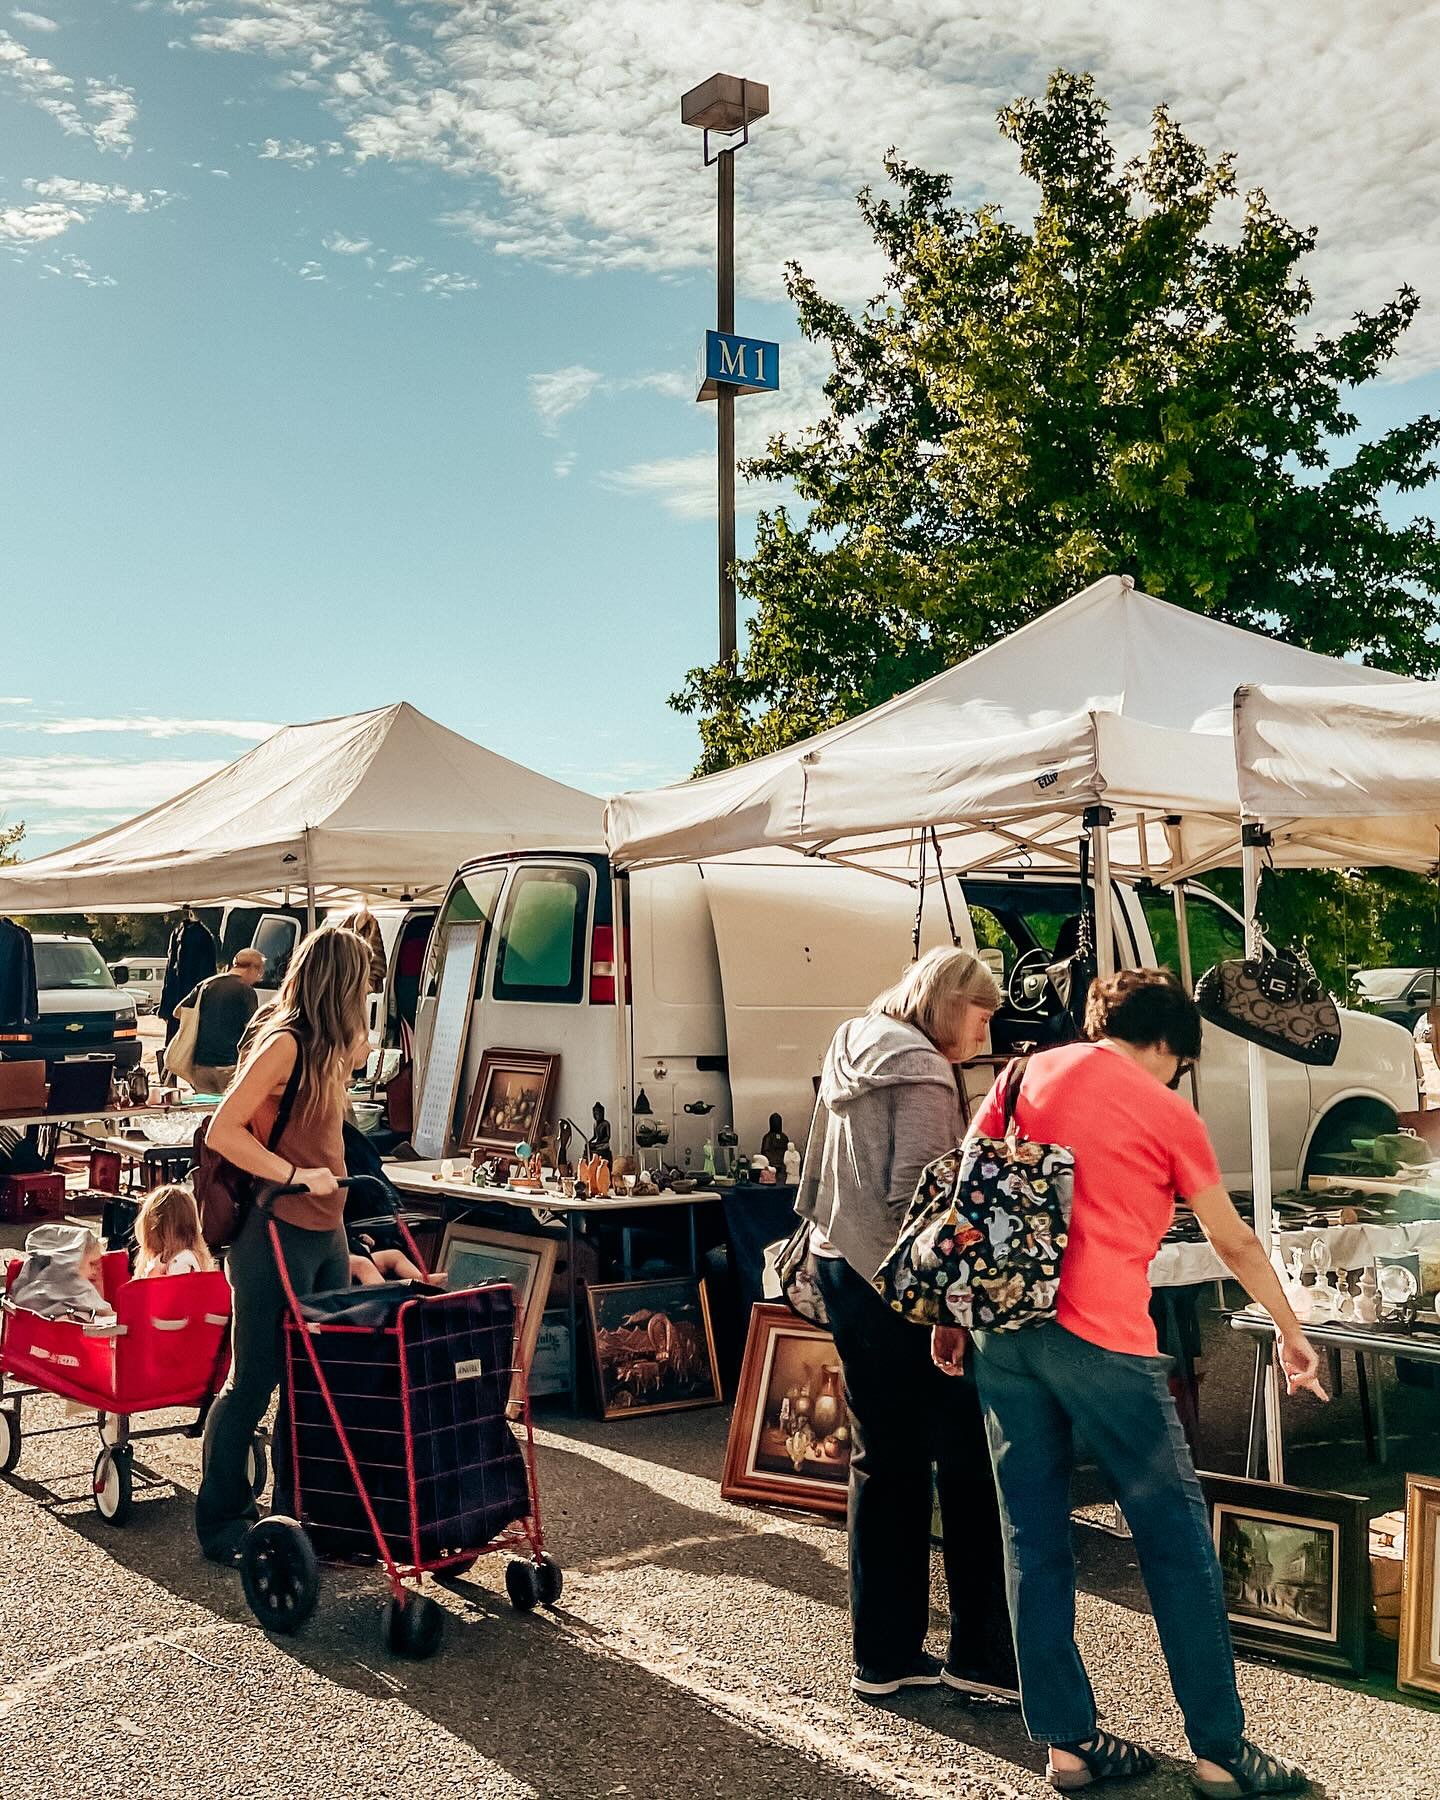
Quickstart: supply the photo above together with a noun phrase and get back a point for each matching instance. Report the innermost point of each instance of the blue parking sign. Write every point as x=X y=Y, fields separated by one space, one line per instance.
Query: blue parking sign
x=743 y=365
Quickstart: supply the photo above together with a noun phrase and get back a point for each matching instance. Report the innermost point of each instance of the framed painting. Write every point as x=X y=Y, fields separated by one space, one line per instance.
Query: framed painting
x=1419 y=1664
x=510 y=1102
x=789 y=1439
x=1295 y=1563
x=471 y=1255
x=653 y=1346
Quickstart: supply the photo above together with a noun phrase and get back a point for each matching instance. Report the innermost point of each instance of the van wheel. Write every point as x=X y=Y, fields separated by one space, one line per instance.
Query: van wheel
x=1337 y=1131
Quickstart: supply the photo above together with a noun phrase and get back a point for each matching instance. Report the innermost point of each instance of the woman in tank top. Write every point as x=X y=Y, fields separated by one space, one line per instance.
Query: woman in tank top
x=313 y=1037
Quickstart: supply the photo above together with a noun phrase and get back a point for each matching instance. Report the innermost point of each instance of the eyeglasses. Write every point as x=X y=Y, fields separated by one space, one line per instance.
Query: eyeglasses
x=1182 y=1069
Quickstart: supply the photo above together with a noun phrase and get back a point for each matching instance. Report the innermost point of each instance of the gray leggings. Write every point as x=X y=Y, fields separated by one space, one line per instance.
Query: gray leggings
x=225 y=1507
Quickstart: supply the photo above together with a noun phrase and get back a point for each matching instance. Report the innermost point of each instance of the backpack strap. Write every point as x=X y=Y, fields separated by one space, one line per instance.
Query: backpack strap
x=1014 y=1076
x=287 y=1099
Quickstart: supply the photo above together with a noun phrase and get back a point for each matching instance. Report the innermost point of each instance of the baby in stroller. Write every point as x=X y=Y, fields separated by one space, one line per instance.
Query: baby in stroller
x=60 y=1275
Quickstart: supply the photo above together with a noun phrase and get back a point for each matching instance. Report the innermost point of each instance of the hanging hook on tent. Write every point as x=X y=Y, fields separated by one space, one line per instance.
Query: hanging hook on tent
x=944 y=891
x=919 y=907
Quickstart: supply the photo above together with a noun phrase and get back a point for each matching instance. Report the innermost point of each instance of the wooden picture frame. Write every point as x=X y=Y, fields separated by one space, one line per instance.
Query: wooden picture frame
x=1296 y=1569
x=781 y=1452
x=510 y=1102
x=1419 y=1659
x=652 y=1346
x=472 y=1254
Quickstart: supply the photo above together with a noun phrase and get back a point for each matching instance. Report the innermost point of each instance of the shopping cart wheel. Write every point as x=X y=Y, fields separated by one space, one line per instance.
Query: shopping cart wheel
x=114 y=1484
x=551 y=1579
x=257 y=1469
x=522 y=1584
x=9 y=1438
x=413 y=1626
x=279 y=1573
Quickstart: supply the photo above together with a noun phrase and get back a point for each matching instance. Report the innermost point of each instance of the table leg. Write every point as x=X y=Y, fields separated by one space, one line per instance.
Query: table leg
x=1257 y=1409
x=1188 y=1399
x=1381 y=1433
x=694 y=1243
x=573 y=1316
x=1362 y=1388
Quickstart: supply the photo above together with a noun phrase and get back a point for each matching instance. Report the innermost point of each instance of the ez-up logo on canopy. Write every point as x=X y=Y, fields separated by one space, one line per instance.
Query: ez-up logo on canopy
x=740 y=364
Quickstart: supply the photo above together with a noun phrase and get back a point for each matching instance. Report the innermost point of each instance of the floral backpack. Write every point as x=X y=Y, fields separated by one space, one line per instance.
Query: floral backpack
x=983 y=1238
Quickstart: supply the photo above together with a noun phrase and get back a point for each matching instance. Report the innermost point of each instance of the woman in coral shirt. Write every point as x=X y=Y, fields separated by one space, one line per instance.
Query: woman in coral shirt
x=1094 y=1372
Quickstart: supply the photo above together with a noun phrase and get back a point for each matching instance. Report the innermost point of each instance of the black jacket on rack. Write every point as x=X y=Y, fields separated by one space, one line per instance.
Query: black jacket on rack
x=189 y=961
x=19 y=998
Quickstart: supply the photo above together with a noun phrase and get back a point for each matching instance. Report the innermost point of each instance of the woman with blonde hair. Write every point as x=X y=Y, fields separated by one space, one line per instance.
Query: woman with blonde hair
x=888 y=1105
x=282 y=1121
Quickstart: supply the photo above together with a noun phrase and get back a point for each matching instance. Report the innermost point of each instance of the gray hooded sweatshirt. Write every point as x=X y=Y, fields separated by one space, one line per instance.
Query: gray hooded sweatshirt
x=888 y=1105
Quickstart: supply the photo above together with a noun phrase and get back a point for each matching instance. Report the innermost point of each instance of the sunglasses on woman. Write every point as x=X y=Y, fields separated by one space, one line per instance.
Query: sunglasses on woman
x=1182 y=1069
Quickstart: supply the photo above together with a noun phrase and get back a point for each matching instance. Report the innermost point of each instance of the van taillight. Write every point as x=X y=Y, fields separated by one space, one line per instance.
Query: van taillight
x=602 y=967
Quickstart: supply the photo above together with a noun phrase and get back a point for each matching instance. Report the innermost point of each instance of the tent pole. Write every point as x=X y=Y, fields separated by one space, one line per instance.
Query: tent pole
x=1097 y=823
x=1254 y=841
x=1186 y=971
x=624 y=1018
x=309 y=888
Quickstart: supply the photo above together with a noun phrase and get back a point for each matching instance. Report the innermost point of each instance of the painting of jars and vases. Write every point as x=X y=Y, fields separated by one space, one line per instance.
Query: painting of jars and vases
x=790 y=1434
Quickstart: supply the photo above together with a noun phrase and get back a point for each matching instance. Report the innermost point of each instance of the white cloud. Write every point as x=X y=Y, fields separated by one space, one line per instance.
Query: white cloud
x=15 y=700
x=569 y=111
x=97 y=785
x=29 y=21
x=344 y=246
x=402 y=265
x=101 y=111
x=23 y=225
x=290 y=150
x=252 y=730
x=560 y=391
x=445 y=282
x=311 y=271
x=75 y=268
x=564 y=465
x=93 y=193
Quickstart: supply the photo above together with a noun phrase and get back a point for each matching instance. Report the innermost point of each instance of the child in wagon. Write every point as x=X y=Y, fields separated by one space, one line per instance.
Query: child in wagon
x=168 y=1234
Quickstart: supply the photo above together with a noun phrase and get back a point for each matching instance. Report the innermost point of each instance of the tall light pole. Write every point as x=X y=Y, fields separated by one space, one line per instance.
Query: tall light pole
x=726 y=105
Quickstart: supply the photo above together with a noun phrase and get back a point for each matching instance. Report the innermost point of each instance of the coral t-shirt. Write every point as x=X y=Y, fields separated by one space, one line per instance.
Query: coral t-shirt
x=1138 y=1148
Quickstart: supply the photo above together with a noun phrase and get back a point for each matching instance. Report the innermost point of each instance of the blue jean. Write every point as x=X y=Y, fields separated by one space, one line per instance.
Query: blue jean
x=1041 y=1388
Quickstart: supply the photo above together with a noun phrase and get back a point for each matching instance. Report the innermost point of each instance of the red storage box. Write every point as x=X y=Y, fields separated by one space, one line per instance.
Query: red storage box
x=24 y=1199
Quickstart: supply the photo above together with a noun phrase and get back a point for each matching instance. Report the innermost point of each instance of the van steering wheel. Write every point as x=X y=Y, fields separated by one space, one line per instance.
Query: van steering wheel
x=1026 y=987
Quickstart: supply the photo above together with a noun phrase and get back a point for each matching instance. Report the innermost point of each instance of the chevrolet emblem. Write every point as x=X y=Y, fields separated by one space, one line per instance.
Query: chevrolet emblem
x=77 y=1026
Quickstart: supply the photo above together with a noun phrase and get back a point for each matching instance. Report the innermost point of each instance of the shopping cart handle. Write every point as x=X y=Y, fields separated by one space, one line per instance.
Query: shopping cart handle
x=268 y=1192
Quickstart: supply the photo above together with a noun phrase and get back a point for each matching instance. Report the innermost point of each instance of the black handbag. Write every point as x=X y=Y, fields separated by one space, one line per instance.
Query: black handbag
x=1275 y=1000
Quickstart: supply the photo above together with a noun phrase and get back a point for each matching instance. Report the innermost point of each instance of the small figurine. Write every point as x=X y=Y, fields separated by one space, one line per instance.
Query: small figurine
x=1366 y=1301
x=707 y=1155
x=792 y=1166
x=774 y=1144
x=598 y=1143
x=762 y=1172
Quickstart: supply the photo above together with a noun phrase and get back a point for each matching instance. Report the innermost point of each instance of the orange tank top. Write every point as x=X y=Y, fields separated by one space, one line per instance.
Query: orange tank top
x=310 y=1141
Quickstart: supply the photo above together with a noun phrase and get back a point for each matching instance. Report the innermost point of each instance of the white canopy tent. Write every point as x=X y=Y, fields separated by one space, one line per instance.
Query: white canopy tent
x=1112 y=700
x=380 y=805
x=1330 y=776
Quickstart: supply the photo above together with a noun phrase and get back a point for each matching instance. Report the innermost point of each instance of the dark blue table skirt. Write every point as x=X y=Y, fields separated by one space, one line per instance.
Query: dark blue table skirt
x=754 y=1217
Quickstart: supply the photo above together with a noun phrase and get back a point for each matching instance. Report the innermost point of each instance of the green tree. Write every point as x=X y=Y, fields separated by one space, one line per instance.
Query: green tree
x=10 y=839
x=1119 y=388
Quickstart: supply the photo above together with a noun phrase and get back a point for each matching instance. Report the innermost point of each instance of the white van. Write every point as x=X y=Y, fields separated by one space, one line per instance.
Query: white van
x=739 y=972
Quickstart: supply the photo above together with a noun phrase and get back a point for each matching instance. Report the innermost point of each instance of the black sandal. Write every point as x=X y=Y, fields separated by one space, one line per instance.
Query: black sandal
x=1250 y=1770
x=1106 y=1758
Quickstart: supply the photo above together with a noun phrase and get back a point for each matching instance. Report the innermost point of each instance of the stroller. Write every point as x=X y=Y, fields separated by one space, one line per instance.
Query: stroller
x=409 y=1444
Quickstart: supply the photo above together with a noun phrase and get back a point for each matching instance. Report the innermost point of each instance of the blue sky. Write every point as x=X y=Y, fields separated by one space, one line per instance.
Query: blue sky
x=351 y=344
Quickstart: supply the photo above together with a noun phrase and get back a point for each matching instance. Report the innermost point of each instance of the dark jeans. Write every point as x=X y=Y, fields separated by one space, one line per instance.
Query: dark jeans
x=905 y=1417
x=225 y=1508
x=1043 y=1387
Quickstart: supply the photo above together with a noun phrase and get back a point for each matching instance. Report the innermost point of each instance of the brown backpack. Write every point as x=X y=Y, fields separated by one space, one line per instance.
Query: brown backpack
x=224 y=1193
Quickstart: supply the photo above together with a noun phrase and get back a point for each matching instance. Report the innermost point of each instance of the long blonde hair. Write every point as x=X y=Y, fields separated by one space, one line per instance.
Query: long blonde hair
x=933 y=993
x=169 y=1222
x=321 y=1004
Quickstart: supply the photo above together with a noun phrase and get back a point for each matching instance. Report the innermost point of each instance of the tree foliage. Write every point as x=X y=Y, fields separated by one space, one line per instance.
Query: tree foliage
x=11 y=837
x=1131 y=384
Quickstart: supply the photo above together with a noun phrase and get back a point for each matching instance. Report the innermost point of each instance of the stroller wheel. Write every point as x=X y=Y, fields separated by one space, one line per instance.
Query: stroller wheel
x=550 y=1578
x=257 y=1469
x=522 y=1584
x=279 y=1573
x=413 y=1626
x=9 y=1438
x=114 y=1484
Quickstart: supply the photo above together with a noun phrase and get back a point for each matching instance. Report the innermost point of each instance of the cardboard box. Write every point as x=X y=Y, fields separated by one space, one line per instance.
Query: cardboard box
x=1387 y=1572
x=23 y=1088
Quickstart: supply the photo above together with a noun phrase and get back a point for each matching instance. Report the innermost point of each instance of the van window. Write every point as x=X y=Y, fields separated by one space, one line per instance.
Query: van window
x=75 y=963
x=542 y=942
x=275 y=938
x=474 y=897
x=1216 y=935
x=1015 y=917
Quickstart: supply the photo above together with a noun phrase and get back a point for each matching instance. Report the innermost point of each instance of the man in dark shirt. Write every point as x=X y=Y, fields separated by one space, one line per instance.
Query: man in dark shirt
x=227 y=1004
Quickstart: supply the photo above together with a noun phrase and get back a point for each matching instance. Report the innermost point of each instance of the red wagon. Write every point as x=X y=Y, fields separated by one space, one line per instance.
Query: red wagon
x=407 y=1432
x=166 y=1347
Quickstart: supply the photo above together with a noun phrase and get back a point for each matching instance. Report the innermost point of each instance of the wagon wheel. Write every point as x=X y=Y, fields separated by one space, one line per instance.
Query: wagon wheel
x=550 y=1578
x=279 y=1573
x=9 y=1438
x=113 y=1484
x=413 y=1626
x=522 y=1584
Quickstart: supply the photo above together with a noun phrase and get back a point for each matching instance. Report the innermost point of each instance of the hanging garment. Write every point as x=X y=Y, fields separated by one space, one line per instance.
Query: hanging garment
x=19 y=999
x=189 y=960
